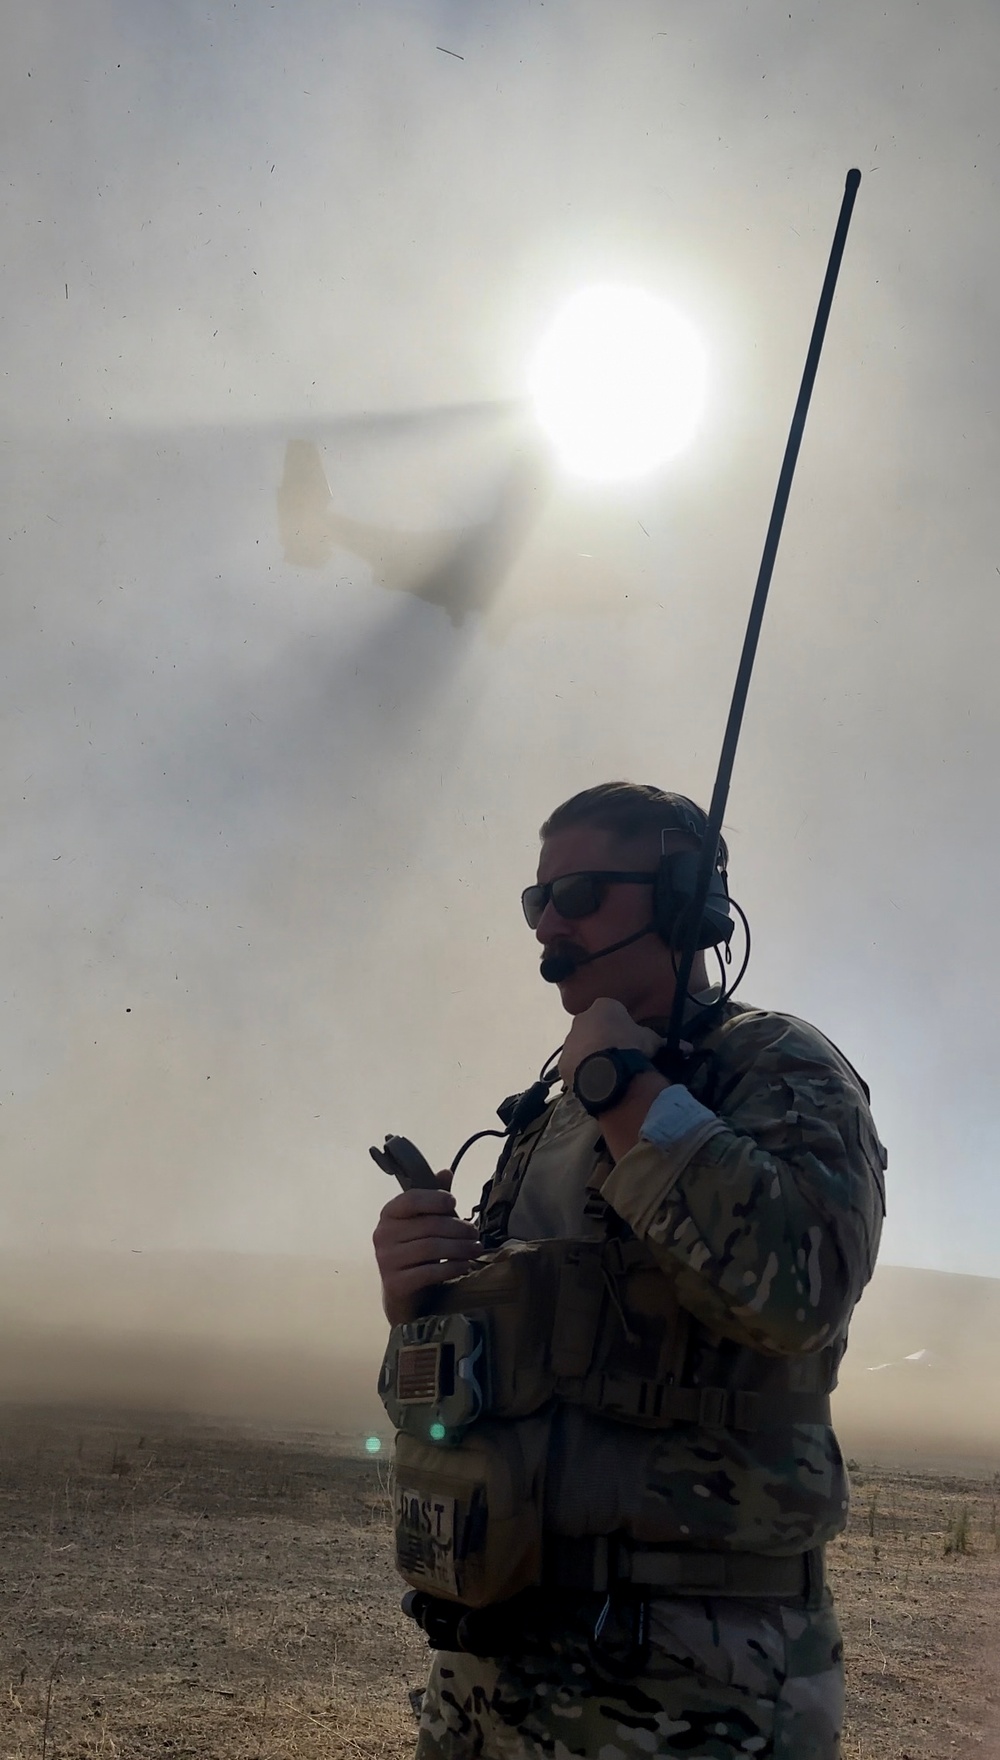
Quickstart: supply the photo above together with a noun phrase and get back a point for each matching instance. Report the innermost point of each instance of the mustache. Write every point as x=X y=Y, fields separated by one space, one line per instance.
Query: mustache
x=560 y=960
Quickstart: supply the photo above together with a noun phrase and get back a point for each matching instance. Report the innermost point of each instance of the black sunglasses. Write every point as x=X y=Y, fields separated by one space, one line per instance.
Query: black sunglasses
x=576 y=895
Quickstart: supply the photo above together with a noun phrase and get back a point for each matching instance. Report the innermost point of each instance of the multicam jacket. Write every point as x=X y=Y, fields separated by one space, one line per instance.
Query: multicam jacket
x=765 y=1222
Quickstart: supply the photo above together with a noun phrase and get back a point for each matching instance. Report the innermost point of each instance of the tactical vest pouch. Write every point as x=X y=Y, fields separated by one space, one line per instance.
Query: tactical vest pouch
x=468 y=1519
x=542 y=1305
x=569 y=1320
x=492 y=1345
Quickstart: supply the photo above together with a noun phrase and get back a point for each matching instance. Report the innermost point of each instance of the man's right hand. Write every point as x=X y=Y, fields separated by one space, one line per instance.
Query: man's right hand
x=420 y=1240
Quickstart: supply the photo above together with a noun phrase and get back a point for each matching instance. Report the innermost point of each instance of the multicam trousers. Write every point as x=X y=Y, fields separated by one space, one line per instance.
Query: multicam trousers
x=723 y=1678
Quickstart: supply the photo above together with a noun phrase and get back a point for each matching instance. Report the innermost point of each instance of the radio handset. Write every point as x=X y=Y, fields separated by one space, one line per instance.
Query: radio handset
x=402 y=1160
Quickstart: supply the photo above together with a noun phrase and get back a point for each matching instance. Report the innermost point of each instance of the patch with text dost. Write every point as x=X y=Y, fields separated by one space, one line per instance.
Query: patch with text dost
x=425 y=1537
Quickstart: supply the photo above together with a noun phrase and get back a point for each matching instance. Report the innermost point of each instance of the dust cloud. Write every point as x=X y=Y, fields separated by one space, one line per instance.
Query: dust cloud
x=295 y=1342
x=920 y=1383
x=264 y=1339
x=266 y=824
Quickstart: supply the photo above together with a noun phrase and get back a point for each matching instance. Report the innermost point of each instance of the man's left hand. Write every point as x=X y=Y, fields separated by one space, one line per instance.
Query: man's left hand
x=606 y=1025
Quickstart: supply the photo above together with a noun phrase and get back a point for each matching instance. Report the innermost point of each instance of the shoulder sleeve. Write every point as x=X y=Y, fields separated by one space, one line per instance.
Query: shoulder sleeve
x=768 y=1220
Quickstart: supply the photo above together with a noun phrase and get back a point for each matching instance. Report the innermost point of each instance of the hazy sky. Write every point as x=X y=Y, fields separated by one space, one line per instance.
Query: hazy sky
x=266 y=826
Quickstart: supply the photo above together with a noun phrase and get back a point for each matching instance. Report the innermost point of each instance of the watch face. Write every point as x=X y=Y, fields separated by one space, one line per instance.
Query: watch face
x=597 y=1078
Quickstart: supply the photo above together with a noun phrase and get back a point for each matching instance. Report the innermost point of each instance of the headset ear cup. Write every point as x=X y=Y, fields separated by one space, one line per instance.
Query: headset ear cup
x=665 y=903
x=673 y=893
x=717 y=922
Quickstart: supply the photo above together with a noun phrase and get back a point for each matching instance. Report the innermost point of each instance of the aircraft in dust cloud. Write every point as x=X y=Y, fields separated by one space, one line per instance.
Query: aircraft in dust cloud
x=524 y=550
x=461 y=570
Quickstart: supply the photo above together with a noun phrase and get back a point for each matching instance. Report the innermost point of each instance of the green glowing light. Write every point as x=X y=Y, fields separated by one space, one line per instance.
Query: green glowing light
x=373 y=1444
x=438 y=1432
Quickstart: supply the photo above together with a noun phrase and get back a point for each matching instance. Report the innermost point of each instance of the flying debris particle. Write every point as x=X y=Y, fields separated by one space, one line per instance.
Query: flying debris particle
x=642 y=528
x=450 y=52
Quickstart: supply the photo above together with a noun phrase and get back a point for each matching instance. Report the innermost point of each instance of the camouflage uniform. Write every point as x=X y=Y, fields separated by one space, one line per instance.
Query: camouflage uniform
x=724 y=1678
x=765 y=1218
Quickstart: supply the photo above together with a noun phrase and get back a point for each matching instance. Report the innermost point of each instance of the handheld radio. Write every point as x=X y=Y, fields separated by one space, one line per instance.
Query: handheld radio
x=402 y=1160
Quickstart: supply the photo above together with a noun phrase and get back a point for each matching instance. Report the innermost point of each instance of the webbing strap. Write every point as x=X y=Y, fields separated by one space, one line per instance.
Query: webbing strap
x=501 y=1191
x=601 y=1564
x=714 y=1408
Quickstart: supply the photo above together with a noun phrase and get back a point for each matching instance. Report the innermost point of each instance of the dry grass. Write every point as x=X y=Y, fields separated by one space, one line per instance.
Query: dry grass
x=917 y=1581
x=176 y=1590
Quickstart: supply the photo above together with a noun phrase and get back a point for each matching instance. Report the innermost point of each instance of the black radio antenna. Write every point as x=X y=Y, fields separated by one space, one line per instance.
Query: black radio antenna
x=720 y=794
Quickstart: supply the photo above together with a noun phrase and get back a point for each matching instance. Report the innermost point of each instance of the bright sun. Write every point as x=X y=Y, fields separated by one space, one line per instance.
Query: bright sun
x=618 y=382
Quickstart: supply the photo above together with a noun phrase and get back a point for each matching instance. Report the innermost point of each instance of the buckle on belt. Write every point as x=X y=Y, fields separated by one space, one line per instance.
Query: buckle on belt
x=713 y=1405
x=746 y=1411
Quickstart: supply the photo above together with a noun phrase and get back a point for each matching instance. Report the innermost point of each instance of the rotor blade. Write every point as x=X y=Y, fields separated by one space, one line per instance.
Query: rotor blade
x=431 y=420
x=441 y=418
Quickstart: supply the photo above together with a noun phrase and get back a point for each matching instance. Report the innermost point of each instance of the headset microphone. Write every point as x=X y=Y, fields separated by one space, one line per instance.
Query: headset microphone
x=556 y=967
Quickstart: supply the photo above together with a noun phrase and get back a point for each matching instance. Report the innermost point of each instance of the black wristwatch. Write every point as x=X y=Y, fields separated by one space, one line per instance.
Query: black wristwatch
x=604 y=1078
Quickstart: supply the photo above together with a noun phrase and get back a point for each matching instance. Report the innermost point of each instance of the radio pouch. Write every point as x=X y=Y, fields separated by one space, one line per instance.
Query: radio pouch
x=468 y=1519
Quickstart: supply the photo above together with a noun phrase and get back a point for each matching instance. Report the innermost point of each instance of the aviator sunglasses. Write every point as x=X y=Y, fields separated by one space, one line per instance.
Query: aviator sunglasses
x=576 y=895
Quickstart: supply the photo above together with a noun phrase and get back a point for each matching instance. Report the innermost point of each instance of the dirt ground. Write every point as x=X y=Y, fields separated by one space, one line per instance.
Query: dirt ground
x=170 y=1588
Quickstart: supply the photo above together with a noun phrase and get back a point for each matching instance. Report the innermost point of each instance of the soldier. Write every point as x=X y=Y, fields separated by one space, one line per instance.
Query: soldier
x=623 y=1555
